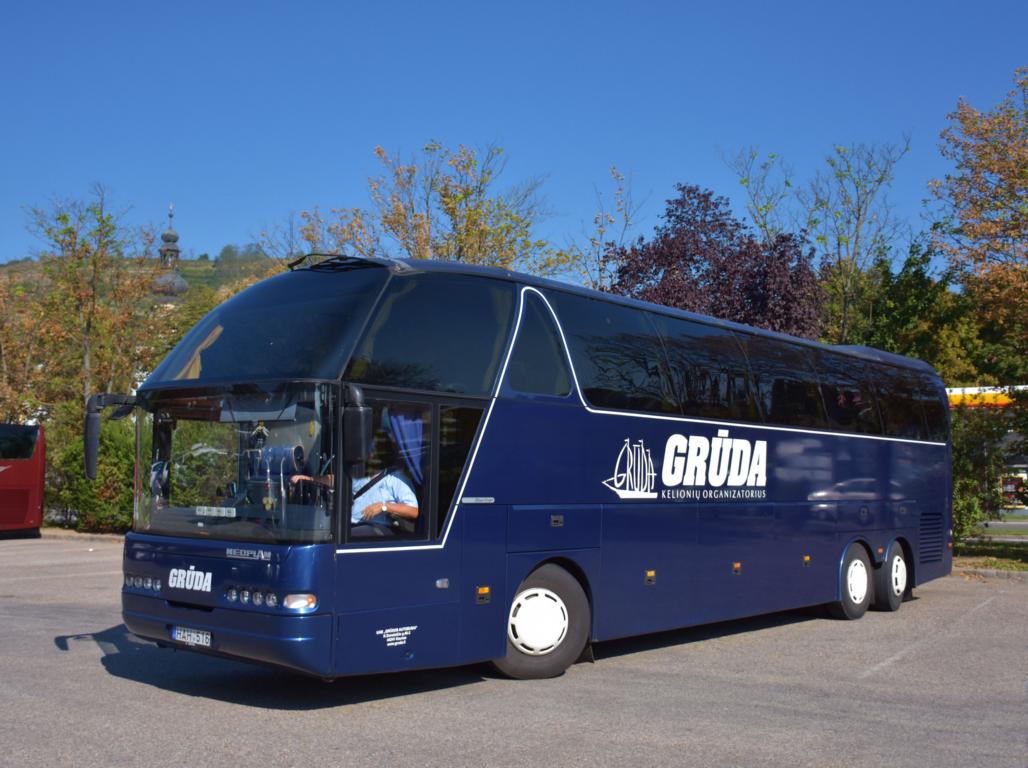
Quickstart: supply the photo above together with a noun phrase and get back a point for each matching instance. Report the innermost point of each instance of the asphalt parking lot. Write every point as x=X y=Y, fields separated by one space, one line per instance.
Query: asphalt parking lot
x=944 y=682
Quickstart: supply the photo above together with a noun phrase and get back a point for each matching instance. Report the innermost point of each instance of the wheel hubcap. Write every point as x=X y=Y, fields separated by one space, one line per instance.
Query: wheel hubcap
x=899 y=576
x=856 y=581
x=538 y=621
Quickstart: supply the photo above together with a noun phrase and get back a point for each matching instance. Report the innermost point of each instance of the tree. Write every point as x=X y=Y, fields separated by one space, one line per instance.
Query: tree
x=703 y=259
x=596 y=261
x=441 y=204
x=100 y=327
x=21 y=372
x=987 y=196
x=984 y=231
x=768 y=185
x=915 y=312
x=843 y=209
x=852 y=224
x=235 y=263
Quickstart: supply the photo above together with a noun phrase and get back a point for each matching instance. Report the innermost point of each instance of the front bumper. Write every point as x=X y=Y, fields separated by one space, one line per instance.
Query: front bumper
x=302 y=643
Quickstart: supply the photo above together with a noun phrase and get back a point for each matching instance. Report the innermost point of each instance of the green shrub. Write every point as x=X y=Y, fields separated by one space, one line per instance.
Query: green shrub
x=103 y=505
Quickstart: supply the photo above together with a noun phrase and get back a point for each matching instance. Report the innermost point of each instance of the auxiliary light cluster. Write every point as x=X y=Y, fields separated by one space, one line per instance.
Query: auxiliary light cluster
x=251 y=597
x=256 y=598
x=135 y=581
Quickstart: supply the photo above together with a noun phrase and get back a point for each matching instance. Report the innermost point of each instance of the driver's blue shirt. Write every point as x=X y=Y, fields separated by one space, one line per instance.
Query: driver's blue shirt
x=389 y=490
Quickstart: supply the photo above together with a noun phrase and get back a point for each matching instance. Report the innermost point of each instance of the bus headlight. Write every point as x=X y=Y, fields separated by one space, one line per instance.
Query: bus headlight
x=271 y=600
x=231 y=595
x=244 y=596
x=258 y=598
x=300 y=602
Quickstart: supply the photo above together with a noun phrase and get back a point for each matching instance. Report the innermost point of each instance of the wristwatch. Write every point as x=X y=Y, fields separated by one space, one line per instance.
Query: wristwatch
x=385 y=508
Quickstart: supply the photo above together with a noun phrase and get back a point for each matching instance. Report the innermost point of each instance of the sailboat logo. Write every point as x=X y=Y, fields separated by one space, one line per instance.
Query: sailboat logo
x=633 y=473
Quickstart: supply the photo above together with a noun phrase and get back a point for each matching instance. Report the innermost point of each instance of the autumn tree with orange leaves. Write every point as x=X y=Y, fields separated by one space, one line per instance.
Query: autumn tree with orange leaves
x=985 y=234
x=987 y=195
x=21 y=359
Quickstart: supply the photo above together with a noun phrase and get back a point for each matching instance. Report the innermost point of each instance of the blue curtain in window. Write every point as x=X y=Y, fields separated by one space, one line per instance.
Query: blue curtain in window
x=408 y=431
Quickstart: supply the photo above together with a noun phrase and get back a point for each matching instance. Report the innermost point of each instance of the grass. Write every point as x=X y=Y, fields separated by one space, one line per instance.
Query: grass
x=1001 y=557
x=1018 y=531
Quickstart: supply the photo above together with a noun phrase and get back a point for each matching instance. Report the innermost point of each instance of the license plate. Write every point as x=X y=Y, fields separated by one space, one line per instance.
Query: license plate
x=191 y=636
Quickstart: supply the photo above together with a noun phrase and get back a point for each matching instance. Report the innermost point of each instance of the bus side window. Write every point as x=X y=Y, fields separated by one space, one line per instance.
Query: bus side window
x=935 y=409
x=848 y=395
x=709 y=370
x=618 y=356
x=537 y=365
x=785 y=382
x=457 y=428
x=901 y=412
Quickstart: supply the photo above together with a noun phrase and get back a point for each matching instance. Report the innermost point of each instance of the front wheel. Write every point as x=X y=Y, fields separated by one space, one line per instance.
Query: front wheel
x=891 y=580
x=855 y=591
x=547 y=627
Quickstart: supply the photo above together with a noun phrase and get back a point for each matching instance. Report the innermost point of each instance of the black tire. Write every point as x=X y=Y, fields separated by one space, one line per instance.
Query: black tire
x=851 y=604
x=564 y=598
x=892 y=579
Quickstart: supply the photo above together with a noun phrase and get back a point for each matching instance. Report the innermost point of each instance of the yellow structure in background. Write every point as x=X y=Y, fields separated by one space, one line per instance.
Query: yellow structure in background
x=981 y=397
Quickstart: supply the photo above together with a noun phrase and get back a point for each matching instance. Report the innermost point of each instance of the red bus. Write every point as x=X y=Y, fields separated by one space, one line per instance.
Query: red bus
x=22 y=466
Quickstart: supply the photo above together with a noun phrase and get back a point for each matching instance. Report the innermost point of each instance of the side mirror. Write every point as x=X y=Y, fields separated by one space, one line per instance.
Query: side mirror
x=91 y=429
x=358 y=427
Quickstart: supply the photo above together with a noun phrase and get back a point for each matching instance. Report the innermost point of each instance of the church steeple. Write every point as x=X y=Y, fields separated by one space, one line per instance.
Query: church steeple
x=169 y=249
x=170 y=284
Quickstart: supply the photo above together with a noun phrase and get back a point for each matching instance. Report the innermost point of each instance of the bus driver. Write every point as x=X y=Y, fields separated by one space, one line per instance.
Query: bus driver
x=379 y=501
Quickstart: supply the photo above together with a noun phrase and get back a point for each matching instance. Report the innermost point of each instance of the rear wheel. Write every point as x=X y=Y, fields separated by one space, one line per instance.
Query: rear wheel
x=548 y=625
x=856 y=588
x=891 y=580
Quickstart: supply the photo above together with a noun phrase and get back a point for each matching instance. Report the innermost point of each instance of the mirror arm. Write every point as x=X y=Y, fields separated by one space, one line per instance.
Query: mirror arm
x=91 y=428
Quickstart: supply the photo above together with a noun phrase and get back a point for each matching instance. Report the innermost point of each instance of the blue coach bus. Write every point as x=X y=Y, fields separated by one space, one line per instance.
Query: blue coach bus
x=370 y=465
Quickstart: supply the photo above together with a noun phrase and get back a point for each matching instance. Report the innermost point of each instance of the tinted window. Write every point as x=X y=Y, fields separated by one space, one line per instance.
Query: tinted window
x=17 y=441
x=935 y=407
x=847 y=394
x=708 y=369
x=436 y=332
x=298 y=325
x=457 y=428
x=785 y=382
x=897 y=399
x=537 y=365
x=618 y=357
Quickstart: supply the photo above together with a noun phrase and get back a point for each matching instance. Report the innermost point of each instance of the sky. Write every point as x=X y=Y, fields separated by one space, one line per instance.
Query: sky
x=241 y=113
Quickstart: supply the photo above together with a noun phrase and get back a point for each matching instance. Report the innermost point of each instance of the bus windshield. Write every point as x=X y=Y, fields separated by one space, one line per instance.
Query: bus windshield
x=17 y=441
x=296 y=325
x=246 y=463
